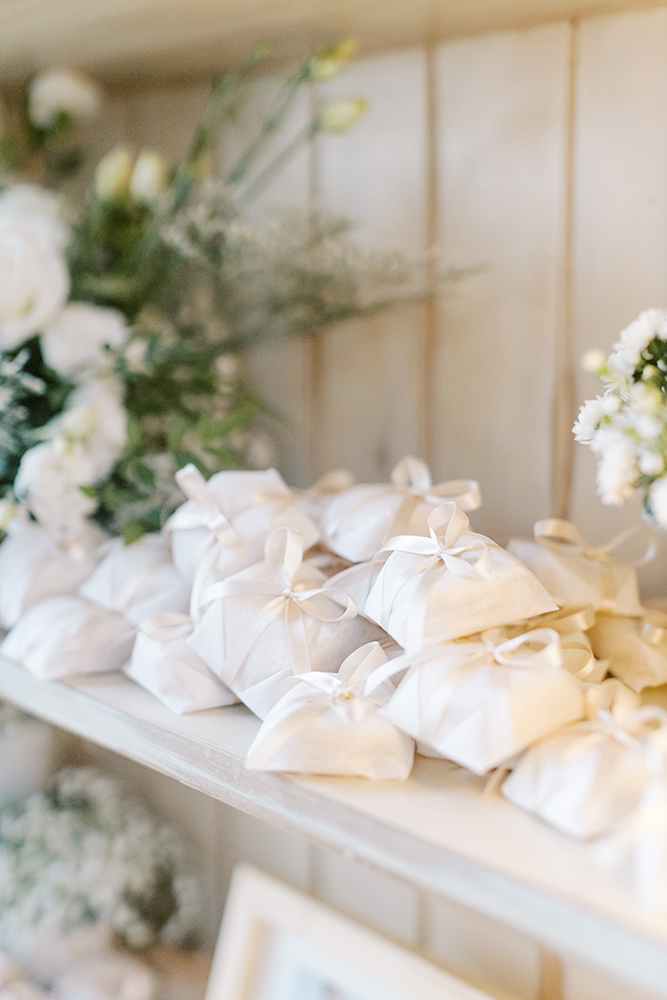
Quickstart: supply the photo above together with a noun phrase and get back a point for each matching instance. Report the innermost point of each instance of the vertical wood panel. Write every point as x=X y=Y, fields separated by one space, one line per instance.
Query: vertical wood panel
x=279 y=370
x=376 y=899
x=502 y=126
x=620 y=228
x=369 y=384
x=491 y=956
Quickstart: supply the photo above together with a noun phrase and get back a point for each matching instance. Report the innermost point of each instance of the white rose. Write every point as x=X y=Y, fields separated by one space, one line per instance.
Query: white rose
x=49 y=482
x=617 y=468
x=637 y=336
x=62 y=90
x=104 y=423
x=34 y=280
x=77 y=339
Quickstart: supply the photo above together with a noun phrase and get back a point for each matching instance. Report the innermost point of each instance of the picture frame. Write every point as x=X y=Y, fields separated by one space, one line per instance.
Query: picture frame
x=276 y=943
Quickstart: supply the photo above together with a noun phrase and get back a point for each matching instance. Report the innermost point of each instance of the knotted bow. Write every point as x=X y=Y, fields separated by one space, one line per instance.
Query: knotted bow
x=565 y=621
x=562 y=536
x=447 y=525
x=316 y=693
x=211 y=515
x=288 y=598
x=411 y=480
x=539 y=652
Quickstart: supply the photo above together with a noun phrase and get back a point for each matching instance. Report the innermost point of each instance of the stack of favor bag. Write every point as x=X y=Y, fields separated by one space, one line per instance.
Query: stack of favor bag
x=361 y=621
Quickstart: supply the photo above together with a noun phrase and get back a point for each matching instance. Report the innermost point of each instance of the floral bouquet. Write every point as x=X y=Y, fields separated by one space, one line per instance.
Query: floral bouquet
x=120 y=315
x=626 y=427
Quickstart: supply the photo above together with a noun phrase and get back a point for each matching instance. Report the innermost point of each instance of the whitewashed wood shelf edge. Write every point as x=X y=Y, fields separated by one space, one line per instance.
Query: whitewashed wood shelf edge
x=436 y=830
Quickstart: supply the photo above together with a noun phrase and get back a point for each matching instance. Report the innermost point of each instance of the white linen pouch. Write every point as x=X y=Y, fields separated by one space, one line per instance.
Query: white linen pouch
x=585 y=779
x=358 y=522
x=137 y=580
x=635 y=648
x=274 y=620
x=222 y=527
x=35 y=564
x=322 y=723
x=452 y=584
x=480 y=703
x=69 y=635
x=575 y=574
x=164 y=664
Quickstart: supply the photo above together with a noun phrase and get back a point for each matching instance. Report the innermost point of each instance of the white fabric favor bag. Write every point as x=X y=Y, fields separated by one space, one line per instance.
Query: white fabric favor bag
x=635 y=648
x=164 y=664
x=358 y=522
x=322 y=723
x=222 y=527
x=586 y=778
x=452 y=584
x=575 y=574
x=69 y=635
x=480 y=703
x=274 y=620
x=638 y=845
x=35 y=564
x=137 y=580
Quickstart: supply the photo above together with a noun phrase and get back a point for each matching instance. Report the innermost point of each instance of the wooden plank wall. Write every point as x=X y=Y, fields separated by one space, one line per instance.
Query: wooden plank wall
x=541 y=154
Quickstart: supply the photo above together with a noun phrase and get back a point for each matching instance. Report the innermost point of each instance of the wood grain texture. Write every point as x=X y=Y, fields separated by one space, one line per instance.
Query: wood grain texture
x=502 y=113
x=162 y=39
x=435 y=831
x=620 y=212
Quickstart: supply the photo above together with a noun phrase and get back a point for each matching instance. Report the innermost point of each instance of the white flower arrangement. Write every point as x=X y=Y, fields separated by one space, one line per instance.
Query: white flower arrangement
x=85 y=854
x=626 y=427
x=118 y=315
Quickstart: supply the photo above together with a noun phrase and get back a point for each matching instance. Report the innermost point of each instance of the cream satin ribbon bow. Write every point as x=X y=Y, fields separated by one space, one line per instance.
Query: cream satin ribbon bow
x=562 y=536
x=565 y=621
x=288 y=599
x=411 y=480
x=210 y=516
x=318 y=693
x=539 y=651
x=447 y=525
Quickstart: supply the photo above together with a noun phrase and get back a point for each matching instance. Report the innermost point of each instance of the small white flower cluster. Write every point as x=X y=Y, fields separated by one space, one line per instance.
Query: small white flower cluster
x=626 y=427
x=82 y=445
x=87 y=854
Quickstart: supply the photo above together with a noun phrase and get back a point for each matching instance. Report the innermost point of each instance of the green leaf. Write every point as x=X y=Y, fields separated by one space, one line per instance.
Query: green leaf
x=133 y=531
x=89 y=491
x=144 y=474
x=176 y=431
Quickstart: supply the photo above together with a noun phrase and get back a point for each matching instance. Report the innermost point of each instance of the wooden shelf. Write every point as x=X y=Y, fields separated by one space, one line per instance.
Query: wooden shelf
x=436 y=830
x=160 y=39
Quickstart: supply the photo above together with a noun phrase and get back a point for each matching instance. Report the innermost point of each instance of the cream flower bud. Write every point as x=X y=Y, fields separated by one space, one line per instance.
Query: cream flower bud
x=62 y=90
x=342 y=113
x=113 y=173
x=593 y=361
x=148 y=177
x=328 y=61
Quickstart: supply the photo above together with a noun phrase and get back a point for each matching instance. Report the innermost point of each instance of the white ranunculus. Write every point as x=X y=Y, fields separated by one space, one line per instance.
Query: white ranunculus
x=658 y=501
x=62 y=90
x=76 y=341
x=34 y=280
